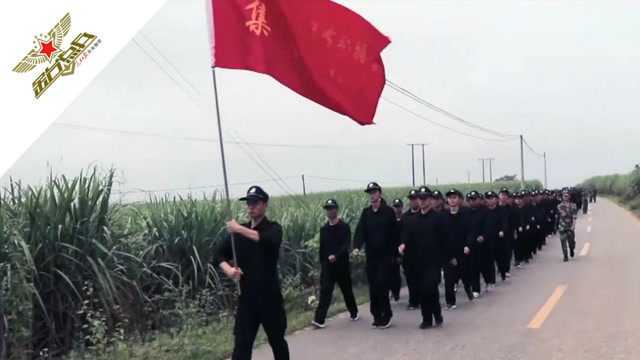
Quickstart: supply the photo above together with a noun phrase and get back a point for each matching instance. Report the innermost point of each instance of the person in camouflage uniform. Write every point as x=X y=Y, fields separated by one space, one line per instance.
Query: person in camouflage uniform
x=567 y=212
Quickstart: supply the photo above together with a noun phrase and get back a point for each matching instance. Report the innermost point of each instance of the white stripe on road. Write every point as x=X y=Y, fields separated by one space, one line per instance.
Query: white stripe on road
x=585 y=249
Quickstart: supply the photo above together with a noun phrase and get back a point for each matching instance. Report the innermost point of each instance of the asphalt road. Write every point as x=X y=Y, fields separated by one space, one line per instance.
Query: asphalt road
x=588 y=308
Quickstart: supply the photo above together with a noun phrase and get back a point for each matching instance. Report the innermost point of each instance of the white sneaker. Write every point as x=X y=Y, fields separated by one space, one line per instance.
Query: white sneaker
x=318 y=325
x=508 y=275
x=476 y=295
x=355 y=318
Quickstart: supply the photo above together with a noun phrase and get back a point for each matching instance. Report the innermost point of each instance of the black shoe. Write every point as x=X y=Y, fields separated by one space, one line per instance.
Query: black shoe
x=375 y=324
x=384 y=324
x=469 y=293
x=565 y=259
x=426 y=325
x=439 y=322
x=572 y=253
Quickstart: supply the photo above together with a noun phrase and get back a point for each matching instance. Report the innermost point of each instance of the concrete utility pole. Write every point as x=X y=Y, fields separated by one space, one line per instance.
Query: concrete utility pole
x=482 y=161
x=413 y=166
x=468 y=176
x=424 y=164
x=491 y=170
x=545 y=170
x=521 y=162
x=304 y=186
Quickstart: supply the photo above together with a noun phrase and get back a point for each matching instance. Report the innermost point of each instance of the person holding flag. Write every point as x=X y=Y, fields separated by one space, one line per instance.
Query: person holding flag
x=257 y=250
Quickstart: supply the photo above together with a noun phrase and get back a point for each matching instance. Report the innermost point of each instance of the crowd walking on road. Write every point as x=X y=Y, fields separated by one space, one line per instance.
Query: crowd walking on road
x=464 y=241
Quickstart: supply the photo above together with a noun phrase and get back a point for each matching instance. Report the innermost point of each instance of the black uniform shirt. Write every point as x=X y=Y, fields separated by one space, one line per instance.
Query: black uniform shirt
x=424 y=231
x=335 y=240
x=258 y=260
x=376 y=231
x=456 y=229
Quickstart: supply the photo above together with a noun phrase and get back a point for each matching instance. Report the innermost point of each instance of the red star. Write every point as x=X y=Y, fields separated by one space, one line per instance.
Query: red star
x=47 y=48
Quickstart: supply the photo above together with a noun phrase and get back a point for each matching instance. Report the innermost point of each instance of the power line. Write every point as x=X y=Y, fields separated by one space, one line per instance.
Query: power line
x=194 y=138
x=203 y=187
x=440 y=125
x=531 y=149
x=450 y=115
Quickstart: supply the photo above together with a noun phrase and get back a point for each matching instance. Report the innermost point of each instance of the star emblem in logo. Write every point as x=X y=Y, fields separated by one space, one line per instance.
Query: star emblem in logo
x=47 y=48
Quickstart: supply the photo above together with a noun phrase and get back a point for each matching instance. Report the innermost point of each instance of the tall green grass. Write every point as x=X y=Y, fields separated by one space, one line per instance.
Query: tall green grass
x=626 y=187
x=80 y=273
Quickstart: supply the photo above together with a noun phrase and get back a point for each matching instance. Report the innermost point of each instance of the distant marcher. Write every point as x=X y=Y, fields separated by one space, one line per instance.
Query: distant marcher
x=396 y=278
x=335 y=240
x=455 y=222
x=567 y=212
x=376 y=232
x=423 y=231
x=410 y=263
x=257 y=249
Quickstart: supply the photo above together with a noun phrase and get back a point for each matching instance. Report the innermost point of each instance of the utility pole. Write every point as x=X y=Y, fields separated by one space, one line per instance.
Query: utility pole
x=491 y=170
x=413 y=166
x=304 y=186
x=545 y=170
x=483 y=177
x=521 y=162
x=424 y=167
x=424 y=163
x=468 y=176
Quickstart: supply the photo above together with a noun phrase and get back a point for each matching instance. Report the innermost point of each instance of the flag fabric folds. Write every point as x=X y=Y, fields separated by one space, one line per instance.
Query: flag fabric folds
x=318 y=48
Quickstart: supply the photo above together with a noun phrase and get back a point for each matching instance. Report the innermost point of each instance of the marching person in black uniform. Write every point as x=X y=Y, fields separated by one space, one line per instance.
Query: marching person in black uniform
x=396 y=278
x=494 y=232
x=504 y=245
x=479 y=250
x=521 y=227
x=376 y=232
x=438 y=201
x=423 y=230
x=257 y=249
x=410 y=261
x=335 y=240
x=455 y=223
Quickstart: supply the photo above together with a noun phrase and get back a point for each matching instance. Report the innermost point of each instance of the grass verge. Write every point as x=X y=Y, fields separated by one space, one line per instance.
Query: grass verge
x=213 y=342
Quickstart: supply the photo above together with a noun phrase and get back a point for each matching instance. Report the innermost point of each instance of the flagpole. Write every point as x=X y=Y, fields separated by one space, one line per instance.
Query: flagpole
x=224 y=167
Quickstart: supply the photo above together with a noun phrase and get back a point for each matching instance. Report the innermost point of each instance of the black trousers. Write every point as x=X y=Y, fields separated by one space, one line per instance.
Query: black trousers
x=502 y=253
x=395 y=279
x=412 y=275
x=430 y=296
x=453 y=274
x=483 y=264
x=330 y=275
x=378 y=277
x=250 y=315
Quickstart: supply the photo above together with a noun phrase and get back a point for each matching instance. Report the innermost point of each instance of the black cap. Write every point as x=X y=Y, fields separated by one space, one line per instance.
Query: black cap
x=372 y=186
x=454 y=192
x=330 y=204
x=256 y=193
x=437 y=194
x=518 y=195
x=472 y=195
x=424 y=192
x=397 y=203
x=413 y=193
x=490 y=194
x=505 y=190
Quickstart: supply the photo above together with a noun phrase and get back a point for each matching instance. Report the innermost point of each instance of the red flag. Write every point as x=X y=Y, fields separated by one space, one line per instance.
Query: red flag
x=319 y=49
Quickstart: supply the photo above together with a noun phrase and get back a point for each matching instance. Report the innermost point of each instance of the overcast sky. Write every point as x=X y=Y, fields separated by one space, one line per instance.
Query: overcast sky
x=564 y=74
